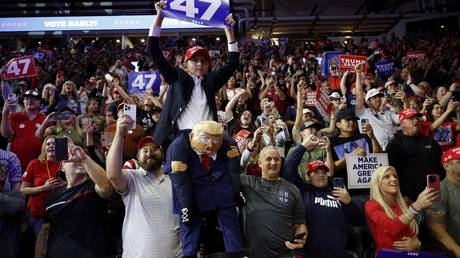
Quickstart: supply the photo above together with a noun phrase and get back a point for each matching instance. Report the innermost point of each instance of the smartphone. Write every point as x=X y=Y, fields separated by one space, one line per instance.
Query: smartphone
x=364 y=121
x=61 y=149
x=130 y=110
x=298 y=236
x=265 y=121
x=107 y=138
x=108 y=77
x=338 y=182
x=61 y=175
x=12 y=98
x=456 y=95
x=432 y=181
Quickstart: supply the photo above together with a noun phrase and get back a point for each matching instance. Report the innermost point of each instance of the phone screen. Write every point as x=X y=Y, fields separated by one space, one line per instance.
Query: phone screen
x=61 y=149
x=339 y=182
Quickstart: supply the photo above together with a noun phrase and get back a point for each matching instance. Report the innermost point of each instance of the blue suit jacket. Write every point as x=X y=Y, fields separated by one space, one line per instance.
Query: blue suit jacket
x=181 y=87
x=209 y=189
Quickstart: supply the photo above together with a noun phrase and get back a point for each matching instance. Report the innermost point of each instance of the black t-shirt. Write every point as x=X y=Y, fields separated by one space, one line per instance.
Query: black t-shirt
x=76 y=216
x=345 y=145
x=414 y=157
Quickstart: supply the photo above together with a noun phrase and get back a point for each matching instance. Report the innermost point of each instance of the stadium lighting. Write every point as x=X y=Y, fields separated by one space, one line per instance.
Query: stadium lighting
x=142 y=40
x=218 y=39
x=118 y=41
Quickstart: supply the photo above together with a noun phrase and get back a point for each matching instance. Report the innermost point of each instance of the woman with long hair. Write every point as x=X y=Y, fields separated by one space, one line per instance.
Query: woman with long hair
x=68 y=97
x=39 y=180
x=442 y=128
x=392 y=223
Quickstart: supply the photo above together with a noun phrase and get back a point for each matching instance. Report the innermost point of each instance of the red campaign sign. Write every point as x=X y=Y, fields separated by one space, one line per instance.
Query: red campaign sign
x=348 y=63
x=311 y=99
x=323 y=103
x=241 y=137
x=419 y=55
x=20 y=67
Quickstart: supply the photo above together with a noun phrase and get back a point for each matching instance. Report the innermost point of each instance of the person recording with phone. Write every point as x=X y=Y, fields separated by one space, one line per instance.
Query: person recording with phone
x=66 y=125
x=74 y=219
x=39 y=181
x=328 y=211
x=394 y=224
x=193 y=88
x=21 y=127
x=442 y=218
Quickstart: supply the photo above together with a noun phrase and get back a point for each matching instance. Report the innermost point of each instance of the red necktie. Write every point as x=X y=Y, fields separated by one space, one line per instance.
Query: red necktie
x=206 y=161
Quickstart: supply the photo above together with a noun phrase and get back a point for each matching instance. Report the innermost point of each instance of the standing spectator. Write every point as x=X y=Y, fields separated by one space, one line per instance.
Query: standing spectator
x=443 y=129
x=12 y=204
x=327 y=218
x=39 y=180
x=391 y=222
x=273 y=213
x=74 y=218
x=192 y=89
x=150 y=229
x=443 y=219
x=413 y=155
x=93 y=113
x=21 y=127
x=383 y=122
x=68 y=97
x=12 y=166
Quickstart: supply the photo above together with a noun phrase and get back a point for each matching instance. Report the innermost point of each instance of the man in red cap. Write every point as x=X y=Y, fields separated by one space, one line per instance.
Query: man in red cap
x=414 y=156
x=150 y=229
x=191 y=92
x=443 y=219
x=328 y=211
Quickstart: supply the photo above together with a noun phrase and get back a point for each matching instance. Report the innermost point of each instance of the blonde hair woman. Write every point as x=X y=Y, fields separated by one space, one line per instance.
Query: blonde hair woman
x=390 y=220
x=68 y=97
x=39 y=180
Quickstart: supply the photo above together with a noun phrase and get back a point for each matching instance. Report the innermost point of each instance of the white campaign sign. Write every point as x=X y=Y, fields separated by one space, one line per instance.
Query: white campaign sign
x=360 y=168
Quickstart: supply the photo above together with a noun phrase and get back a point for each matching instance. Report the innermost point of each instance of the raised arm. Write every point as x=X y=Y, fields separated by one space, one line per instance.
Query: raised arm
x=438 y=122
x=114 y=159
x=359 y=89
x=95 y=172
x=6 y=129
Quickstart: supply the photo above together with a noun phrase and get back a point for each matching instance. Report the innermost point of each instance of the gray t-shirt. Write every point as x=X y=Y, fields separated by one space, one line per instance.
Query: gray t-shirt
x=450 y=205
x=271 y=210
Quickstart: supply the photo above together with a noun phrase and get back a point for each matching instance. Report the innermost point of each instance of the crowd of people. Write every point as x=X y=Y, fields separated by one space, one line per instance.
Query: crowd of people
x=231 y=157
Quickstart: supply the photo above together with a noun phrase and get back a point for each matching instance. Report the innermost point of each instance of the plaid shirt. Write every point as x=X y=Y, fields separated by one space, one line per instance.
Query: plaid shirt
x=10 y=162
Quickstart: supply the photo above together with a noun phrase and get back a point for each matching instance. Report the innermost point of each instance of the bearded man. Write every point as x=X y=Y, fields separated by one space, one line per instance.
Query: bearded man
x=150 y=229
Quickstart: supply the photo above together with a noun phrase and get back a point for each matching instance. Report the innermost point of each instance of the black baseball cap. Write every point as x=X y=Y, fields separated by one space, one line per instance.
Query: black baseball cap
x=32 y=94
x=310 y=124
x=346 y=114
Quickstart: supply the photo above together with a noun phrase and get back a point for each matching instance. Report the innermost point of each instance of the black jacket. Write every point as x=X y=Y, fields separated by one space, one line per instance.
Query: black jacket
x=181 y=86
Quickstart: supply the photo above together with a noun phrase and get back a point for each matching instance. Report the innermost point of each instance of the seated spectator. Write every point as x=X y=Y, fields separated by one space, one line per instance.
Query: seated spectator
x=39 y=181
x=391 y=222
x=442 y=217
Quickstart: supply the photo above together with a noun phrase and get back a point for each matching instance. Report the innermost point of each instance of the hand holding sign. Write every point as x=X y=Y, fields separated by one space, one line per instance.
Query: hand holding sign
x=20 y=67
x=160 y=6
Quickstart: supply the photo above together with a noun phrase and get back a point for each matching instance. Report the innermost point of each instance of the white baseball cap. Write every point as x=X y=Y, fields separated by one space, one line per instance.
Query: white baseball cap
x=372 y=93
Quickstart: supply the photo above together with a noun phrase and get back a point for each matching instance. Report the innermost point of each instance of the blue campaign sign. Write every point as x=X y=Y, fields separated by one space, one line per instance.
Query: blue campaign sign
x=204 y=12
x=39 y=55
x=330 y=58
x=141 y=81
x=385 y=68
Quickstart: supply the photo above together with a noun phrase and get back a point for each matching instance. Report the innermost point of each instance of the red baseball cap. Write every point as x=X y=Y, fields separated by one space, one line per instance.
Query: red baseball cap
x=197 y=51
x=450 y=154
x=407 y=114
x=315 y=165
x=144 y=141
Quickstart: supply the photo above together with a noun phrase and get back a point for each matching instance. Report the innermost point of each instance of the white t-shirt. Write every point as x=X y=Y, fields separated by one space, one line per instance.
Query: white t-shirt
x=384 y=124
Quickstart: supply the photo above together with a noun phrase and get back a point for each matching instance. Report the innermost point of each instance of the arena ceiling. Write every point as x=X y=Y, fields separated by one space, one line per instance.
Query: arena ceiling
x=266 y=17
